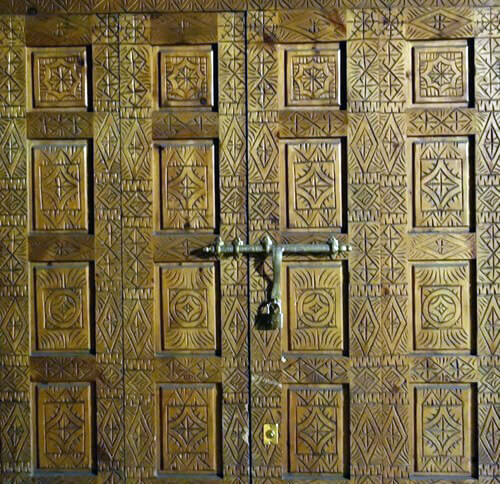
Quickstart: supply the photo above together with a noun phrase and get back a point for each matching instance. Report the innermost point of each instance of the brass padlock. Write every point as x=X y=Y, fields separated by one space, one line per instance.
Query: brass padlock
x=269 y=316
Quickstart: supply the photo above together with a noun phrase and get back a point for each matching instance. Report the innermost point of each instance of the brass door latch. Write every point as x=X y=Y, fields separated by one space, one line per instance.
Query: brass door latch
x=270 y=315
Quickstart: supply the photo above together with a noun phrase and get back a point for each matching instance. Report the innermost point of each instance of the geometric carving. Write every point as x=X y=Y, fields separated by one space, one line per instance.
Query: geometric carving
x=63 y=424
x=106 y=77
x=189 y=428
x=59 y=172
x=432 y=246
x=185 y=189
x=263 y=83
x=12 y=150
x=313 y=187
x=61 y=301
x=59 y=77
x=12 y=75
x=440 y=72
x=315 y=430
x=443 y=425
x=315 y=307
x=186 y=308
x=442 y=320
x=438 y=121
x=444 y=369
x=363 y=84
x=441 y=176
x=59 y=125
x=186 y=77
x=135 y=79
x=312 y=75
x=487 y=73
x=439 y=23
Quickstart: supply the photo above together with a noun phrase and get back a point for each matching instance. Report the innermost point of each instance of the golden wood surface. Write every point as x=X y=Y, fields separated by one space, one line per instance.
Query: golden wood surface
x=132 y=132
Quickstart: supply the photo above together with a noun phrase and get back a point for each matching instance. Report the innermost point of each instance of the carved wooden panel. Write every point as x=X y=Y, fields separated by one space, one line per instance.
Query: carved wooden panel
x=315 y=308
x=312 y=75
x=441 y=194
x=63 y=426
x=185 y=194
x=59 y=177
x=61 y=283
x=189 y=429
x=442 y=302
x=312 y=188
x=186 y=375
x=444 y=423
x=413 y=203
x=59 y=77
x=298 y=193
x=61 y=307
x=186 y=77
x=440 y=72
x=187 y=310
x=315 y=432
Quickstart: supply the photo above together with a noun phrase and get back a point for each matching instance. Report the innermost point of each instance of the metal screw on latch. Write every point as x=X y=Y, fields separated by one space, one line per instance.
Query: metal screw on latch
x=270 y=434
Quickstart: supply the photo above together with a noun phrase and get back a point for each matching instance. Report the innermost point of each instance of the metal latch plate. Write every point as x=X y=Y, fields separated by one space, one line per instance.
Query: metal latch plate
x=271 y=434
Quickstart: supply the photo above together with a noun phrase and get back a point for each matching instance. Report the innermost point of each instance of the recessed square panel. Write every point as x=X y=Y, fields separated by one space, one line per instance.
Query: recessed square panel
x=312 y=75
x=315 y=430
x=440 y=72
x=189 y=428
x=59 y=78
x=186 y=306
x=59 y=172
x=185 y=195
x=441 y=177
x=63 y=426
x=314 y=319
x=312 y=196
x=61 y=296
x=186 y=77
x=442 y=316
x=443 y=428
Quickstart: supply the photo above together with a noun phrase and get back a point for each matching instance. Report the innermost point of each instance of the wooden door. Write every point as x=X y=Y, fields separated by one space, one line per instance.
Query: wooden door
x=199 y=388
x=124 y=354
x=377 y=126
x=62 y=290
x=128 y=141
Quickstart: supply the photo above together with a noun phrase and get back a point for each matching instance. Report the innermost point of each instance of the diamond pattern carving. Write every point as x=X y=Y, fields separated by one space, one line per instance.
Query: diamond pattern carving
x=185 y=196
x=314 y=311
x=441 y=174
x=316 y=430
x=59 y=185
x=63 y=426
x=188 y=429
x=443 y=429
x=313 y=188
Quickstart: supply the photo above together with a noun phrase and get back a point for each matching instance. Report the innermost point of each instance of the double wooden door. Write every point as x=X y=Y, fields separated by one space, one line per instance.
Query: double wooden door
x=128 y=141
